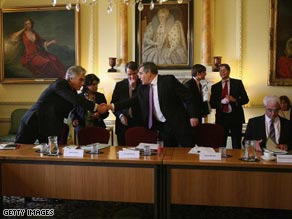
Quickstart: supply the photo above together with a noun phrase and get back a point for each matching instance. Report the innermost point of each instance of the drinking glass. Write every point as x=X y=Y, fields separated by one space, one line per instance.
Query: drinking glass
x=249 y=150
x=53 y=148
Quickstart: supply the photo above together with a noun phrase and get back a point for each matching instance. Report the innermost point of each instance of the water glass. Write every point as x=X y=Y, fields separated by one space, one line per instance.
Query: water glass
x=222 y=150
x=94 y=149
x=249 y=150
x=44 y=148
x=160 y=144
x=147 y=150
x=53 y=148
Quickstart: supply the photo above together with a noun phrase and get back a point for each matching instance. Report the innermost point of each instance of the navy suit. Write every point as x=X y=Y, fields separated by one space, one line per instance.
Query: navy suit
x=197 y=97
x=230 y=121
x=173 y=97
x=256 y=130
x=121 y=92
x=46 y=117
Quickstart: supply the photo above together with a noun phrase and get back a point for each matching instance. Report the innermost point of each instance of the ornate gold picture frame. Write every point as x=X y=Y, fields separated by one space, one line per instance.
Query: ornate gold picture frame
x=164 y=35
x=281 y=43
x=37 y=44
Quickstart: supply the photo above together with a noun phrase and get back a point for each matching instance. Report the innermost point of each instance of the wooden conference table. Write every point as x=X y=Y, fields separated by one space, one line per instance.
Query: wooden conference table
x=229 y=182
x=172 y=177
x=101 y=177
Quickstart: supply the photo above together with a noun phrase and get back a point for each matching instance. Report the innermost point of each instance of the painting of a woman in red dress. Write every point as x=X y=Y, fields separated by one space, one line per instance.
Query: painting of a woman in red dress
x=284 y=65
x=36 y=58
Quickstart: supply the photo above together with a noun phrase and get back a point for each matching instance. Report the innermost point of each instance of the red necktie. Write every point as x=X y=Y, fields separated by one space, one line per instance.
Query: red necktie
x=224 y=94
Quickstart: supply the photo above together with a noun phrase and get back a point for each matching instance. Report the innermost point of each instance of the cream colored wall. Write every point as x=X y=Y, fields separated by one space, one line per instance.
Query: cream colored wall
x=240 y=35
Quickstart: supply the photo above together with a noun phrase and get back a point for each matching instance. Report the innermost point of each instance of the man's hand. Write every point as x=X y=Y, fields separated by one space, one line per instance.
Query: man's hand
x=282 y=147
x=103 y=108
x=194 y=122
x=124 y=120
x=257 y=146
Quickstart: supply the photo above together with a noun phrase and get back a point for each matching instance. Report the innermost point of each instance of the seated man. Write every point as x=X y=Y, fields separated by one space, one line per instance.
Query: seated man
x=269 y=125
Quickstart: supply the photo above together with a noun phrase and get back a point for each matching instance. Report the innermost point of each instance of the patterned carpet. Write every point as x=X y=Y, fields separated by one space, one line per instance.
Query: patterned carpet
x=68 y=209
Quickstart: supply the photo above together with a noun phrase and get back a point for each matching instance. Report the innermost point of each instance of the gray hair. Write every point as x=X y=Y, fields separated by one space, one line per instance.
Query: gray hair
x=271 y=99
x=74 y=71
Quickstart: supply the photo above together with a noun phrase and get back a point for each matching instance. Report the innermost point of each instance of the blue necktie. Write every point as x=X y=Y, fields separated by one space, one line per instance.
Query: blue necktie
x=150 y=118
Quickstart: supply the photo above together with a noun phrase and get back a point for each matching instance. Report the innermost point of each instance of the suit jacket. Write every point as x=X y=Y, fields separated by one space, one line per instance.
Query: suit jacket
x=121 y=92
x=197 y=97
x=238 y=92
x=80 y=112
x=46 y=117
x=256 y=130
x=173 y=96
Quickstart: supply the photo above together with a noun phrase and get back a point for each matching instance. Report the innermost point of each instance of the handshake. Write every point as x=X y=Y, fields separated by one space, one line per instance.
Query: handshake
x=103 y=107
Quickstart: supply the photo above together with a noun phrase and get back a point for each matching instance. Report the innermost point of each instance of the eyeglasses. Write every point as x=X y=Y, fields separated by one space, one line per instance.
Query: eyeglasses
x=272 y=110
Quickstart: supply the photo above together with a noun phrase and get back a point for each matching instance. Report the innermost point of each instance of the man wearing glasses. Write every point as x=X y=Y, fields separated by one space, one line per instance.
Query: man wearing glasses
x=125 y=89
x=269 y=125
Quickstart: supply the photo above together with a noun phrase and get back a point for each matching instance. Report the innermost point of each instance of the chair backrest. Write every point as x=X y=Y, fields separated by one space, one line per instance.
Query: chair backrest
x=16 y=116
x=138 y=134
x=209 y=135
x=93 y=134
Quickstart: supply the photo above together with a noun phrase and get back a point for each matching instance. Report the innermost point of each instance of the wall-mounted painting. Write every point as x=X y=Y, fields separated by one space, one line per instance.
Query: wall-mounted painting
x=37 y=44
x=164 y=35
x=281 y=43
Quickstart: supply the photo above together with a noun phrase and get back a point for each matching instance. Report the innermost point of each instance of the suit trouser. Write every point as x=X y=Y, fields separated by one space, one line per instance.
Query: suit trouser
x=232 y=127
x=173 y=137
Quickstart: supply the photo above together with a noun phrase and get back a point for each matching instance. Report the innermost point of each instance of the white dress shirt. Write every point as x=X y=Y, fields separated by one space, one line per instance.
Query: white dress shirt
x=277 y=126
x=157 y=111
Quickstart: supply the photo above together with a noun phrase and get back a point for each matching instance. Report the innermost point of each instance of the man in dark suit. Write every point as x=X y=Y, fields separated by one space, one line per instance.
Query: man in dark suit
x=195 y=88
x=46 y=117
x=227 y=97
x=171 y=106
x=128 y=117
x=259 y=128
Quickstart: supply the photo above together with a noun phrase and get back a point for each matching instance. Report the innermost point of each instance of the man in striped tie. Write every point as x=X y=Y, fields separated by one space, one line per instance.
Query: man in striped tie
x=270 y=125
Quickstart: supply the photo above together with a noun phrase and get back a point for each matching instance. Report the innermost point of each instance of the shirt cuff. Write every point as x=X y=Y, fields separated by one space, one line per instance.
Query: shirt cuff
x=95 y=107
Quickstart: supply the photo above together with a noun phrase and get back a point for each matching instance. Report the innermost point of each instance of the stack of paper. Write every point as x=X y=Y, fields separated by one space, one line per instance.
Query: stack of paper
x=198 y=150
x=152 y=146
x=272 y=146
x=8 y=146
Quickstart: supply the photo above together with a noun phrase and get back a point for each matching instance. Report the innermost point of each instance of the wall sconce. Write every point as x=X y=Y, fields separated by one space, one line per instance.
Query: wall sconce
x=112 y=63
x=217 y=62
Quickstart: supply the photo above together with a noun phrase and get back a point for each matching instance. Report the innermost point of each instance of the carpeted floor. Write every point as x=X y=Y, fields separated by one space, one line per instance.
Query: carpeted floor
x=68 y=209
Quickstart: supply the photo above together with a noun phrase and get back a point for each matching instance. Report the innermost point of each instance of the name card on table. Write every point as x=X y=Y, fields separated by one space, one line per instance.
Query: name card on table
x=284 y=158
x=210 y=156
x=129 y=154
x=73 y=152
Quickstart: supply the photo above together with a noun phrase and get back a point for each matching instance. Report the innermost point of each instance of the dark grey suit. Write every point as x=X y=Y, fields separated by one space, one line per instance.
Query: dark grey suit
x=256 y=130
x=46 y=117
x=121 y=92
x=230 y=121
x=173 y=97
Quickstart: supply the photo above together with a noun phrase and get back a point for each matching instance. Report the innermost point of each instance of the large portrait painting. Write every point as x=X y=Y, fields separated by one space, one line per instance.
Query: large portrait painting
x=281 y=43
x=164 y=34
x=37 y=44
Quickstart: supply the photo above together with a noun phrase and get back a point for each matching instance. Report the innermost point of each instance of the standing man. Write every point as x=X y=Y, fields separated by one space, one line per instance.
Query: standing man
x=227 y=97
x=125 y=89
x=195 y=88
x=270 y=125
x=46 y=117
x=165 y=104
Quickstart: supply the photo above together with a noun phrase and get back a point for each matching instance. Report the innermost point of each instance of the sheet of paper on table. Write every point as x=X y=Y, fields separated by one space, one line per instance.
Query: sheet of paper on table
x=198 y=150
x=152 y=146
